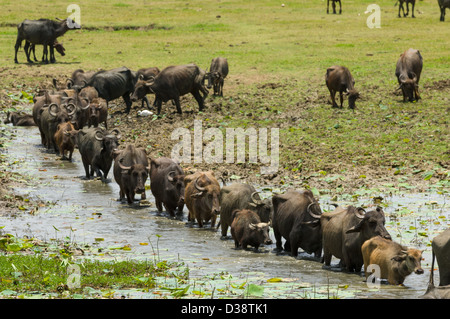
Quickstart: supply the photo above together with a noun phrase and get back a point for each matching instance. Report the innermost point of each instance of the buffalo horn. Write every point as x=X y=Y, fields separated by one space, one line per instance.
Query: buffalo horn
x=51 y=111
x=123 y=167
x=69 y=83
x=357 y=212
x=310 y=212
x=201 y=189
x=88 y=104
x=98 y=135
x=170 y=176
x=256 y=201
x=71 y=110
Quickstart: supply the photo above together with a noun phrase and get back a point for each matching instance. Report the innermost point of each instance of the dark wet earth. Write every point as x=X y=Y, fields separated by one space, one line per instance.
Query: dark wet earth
x=88 y=212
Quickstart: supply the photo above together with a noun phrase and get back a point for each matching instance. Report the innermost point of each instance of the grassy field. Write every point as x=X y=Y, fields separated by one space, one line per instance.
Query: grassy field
x=278 y=56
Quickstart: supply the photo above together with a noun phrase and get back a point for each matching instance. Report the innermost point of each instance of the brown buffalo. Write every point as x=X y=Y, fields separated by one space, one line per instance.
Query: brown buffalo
x=339 y=79
x=131 y=170
x=408 y=70
x=296 y=217
x=98 y=113
x=167 y=185
x=19 y=119
x=202 y=191
x=344 y=231
x=218 y=71
x=247 y=229
x=64 y=141
x=40 y=103
x=395 y=261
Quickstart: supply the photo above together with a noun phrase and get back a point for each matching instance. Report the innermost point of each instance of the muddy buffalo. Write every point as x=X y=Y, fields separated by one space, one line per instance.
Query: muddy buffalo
x=344 y=232
x=167 y=185
x=408 y=70
x=172 y=83
x=97 y=146
x=40 y=103
x=50 y=118
x=296 y=218
x=248 y=230
x=202 y=192
x=131 y=169
x=19 y=119
x=241 y=196
x=339 y=79
x=396 y=261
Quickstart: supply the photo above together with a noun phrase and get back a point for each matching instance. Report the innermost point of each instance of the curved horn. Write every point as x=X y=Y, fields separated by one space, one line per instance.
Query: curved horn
x=71 y=110
x=115 y=131
x=122 y=166
x=69 y=83
x=88 y=104
x=170 y=176
x=308 y=209
x=256 y=201
x=357 y=212
x=51 y=111
x=98 y=135
x=201 y=189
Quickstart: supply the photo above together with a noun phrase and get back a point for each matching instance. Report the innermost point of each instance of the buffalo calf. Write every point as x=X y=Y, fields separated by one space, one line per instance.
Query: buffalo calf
x=395 y=261
x=63 y=140
x=247 y=229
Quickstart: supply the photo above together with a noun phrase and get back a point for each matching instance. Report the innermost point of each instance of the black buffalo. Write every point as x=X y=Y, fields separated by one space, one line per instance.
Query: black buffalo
x=408 y=70
x=218 y=71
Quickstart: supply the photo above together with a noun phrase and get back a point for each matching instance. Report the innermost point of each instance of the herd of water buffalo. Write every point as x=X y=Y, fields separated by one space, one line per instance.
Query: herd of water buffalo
x=76 y=117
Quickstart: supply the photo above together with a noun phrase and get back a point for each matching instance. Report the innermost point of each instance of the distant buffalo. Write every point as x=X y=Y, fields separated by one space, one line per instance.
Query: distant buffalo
x=339 y=79
x=443 y=4
x=408 y=70
x=333 y=3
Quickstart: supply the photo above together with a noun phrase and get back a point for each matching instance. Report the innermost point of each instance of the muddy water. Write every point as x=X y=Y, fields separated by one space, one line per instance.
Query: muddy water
x=88 y=212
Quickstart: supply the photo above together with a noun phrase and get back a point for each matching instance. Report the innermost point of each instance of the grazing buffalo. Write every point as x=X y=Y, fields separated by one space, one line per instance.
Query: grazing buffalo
x=58 y=46
x=131 y=172
x=241 y=196
x=408 y=70
x=63 y=140
x=400 y=7
x=296 y=218
x=97 y=146
x=171 y=83
x=339 y=79
x=344 y=232
x=443 y=4
x=112 y=84
x=333 y=4
x=42 y=31
x=247 y=229
x=98 y=113
x=395 y=261
x=79 y=77
x=441 y=249
x=218 y=71
x=50 y=118
x=19 y=119
x=202 y=192
x=167 y=185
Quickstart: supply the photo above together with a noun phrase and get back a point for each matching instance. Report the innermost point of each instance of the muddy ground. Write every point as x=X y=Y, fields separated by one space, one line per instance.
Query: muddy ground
x=247 y=103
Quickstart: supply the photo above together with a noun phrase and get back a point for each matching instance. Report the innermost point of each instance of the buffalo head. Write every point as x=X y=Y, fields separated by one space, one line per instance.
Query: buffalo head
x=207 y=193
x=142 y=88
x=352 y=95
x=370 y=224
x=409 y=87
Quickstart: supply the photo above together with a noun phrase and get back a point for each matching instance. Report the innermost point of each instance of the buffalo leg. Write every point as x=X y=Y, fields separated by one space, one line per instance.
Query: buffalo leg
x=126 y=98
x=340 y=7
x=25 y=48
x=199 y=99
x=412 y=9
x=341 y=98
x=52 y=54
x=333 y=4
x=16 y=48
x=328 y=6
x=213 y=220
x=145 y=100
x=177 y=104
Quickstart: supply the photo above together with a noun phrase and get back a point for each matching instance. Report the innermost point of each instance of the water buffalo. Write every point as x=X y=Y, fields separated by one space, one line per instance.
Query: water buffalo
x=339 y=79
x=131 y=172
x=19 y=119
x=218 y=71
x=64 y=141
x=296 y=218
x=50 y=118
x=97 y=146
x=408 y=70
x=167 y=185
x=247 y=229
x=395 y=261
x=344 y=231
x=146 y=74
x=40 y=103
x=441 y=250
x=79 y=77
x=171 y=83
x=81 y=106
x=58 y=46
x=333 y=4
x=98 y=113
x=241 y=196
x=112 y=84
x=400 y=7
x=42 y=31
x=443 y=4
x=202 y=191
